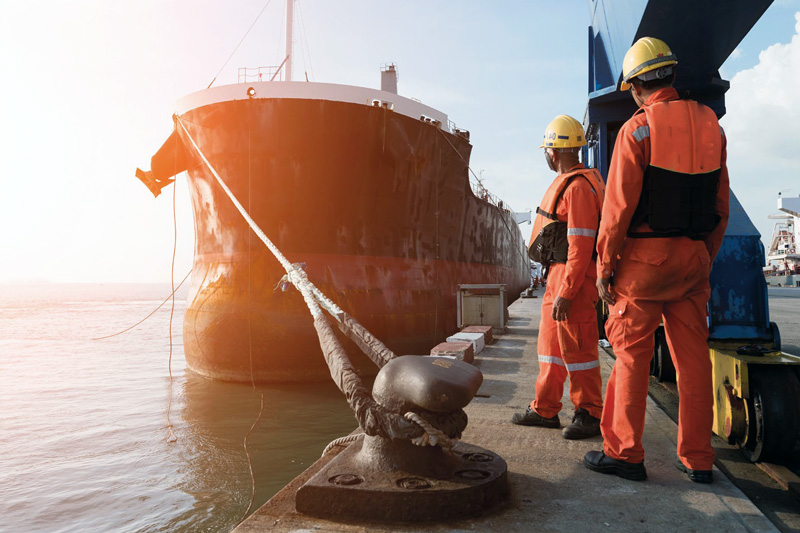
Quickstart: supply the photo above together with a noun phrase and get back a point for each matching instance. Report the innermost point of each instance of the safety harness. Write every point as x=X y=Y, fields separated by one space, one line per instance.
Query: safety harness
x=550 y=242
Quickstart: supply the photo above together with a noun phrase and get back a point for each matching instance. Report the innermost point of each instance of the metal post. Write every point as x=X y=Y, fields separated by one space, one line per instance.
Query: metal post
x=289 y=24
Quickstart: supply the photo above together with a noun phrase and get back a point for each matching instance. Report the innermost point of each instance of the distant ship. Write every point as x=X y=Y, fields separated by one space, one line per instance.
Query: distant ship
x=369 y=189
x=783 y=258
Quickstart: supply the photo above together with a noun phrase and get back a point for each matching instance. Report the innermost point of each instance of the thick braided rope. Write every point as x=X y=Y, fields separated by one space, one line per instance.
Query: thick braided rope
x=296 y=276
x=341 y=440
x=432 y=435
x=311 y=294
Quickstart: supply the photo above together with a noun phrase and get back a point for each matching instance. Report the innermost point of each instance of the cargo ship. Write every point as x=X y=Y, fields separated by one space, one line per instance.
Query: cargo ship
x=369 y=189
x=783 y=257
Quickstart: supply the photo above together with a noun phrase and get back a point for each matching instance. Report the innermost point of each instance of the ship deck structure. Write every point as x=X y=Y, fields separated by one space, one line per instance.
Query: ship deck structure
x=783 y=256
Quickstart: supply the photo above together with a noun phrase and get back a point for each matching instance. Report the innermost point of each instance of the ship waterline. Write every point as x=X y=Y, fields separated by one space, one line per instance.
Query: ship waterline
x=375 y=202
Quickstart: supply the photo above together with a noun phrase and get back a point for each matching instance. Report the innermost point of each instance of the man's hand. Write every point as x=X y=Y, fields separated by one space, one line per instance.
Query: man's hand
x=561 y=308
x=605 y=291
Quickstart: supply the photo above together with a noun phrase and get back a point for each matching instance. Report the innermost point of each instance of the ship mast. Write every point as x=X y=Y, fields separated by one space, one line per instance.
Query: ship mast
x=289 y=24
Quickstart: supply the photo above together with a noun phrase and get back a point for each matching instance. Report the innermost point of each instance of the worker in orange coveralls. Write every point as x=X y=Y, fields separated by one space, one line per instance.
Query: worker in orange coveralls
x=563 y=240
x=663 y=221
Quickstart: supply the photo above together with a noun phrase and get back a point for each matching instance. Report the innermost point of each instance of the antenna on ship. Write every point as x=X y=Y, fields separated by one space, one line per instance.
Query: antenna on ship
x=289 y=24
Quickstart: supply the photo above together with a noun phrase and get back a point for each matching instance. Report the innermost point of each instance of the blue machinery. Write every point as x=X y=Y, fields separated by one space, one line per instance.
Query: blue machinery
x=757 y=388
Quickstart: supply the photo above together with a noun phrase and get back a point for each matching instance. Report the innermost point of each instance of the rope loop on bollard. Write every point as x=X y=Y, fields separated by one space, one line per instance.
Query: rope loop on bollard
x=433 y=436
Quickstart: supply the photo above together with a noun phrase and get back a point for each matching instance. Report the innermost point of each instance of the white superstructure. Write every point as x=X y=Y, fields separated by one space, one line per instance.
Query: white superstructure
x=270 y=86
x=314 y=91
x=783 y=257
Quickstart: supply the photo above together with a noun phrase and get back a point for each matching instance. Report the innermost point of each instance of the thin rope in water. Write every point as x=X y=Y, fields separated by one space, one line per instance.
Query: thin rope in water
x=250 y=463
x=250 y=325
x=148 y=316
x=171 y=435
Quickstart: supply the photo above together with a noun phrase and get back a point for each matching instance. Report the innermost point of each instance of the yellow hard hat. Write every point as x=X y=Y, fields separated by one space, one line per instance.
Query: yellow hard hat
x=648 y=54
x=563 y=132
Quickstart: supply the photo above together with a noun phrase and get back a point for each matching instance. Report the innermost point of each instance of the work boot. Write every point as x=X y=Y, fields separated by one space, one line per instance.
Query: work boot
x=532 y=418
x=600 y=462
x=583 y=426
x=698 y=476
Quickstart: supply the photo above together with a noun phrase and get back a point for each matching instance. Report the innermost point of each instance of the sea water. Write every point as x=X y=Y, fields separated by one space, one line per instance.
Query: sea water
x=84 y=440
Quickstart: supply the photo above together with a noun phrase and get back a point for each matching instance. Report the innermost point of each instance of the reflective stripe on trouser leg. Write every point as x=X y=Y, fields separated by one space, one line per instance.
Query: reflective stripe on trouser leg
x=687 y=335
x=631 y=335
x=567 y=348
x=552 y=369
x=578 y=343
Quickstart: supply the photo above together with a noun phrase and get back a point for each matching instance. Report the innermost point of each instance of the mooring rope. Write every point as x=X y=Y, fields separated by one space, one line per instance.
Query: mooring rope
x=148 y=316
x=433 y=436
x=313 y=297
x=341 y=440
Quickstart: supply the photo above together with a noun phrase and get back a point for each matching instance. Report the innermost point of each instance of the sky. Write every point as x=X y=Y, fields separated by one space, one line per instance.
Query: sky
x=88 y=89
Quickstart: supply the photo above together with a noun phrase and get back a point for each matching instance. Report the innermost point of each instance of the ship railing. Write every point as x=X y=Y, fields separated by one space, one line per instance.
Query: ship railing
x=251 y=74
x=480 y=191
x=387 y=67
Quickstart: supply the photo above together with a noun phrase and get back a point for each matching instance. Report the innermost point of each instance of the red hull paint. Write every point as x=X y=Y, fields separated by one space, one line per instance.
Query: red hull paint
x=377 y=204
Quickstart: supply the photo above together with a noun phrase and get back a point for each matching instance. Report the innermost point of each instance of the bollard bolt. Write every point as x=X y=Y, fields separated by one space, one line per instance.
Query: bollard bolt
x=346 y=479
x=414 y=483
x=473 y=475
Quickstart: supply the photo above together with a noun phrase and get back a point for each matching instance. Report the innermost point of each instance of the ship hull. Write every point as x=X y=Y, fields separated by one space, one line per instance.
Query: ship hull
x=376 y=204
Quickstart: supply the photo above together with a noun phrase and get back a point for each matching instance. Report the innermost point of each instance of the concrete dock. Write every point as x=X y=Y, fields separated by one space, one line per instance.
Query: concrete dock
x=550 y=489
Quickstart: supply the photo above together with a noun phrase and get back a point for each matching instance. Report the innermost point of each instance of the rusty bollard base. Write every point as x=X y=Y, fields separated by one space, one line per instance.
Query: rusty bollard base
x=347 y=489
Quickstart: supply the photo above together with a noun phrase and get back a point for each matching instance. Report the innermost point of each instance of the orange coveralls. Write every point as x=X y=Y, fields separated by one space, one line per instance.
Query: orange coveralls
x=570 y=346
x=655 y=278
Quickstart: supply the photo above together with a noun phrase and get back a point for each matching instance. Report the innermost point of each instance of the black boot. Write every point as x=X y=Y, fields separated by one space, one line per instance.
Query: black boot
x=532 y=418
x=583 y=426
x=600 y=462
x=698 y=476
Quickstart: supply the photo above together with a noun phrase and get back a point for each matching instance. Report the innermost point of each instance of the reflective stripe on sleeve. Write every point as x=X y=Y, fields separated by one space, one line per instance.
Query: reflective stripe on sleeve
x=581 y=232
x=641 y=132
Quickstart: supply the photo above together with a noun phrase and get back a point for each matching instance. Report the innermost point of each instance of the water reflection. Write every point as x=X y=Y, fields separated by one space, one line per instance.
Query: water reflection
x=297 y=423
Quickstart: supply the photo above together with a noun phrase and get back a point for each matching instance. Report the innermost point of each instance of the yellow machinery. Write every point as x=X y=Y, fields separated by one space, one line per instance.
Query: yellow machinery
x=757 y=403
x=756 y=396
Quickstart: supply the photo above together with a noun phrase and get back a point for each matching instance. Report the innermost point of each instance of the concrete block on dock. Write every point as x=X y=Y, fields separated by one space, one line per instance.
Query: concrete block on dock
x=463 y=351
x=486 y=330
x=475 y=338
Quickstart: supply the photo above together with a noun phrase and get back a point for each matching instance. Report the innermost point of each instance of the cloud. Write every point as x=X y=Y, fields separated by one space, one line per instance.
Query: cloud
x=763 y=106
x=763 y=109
